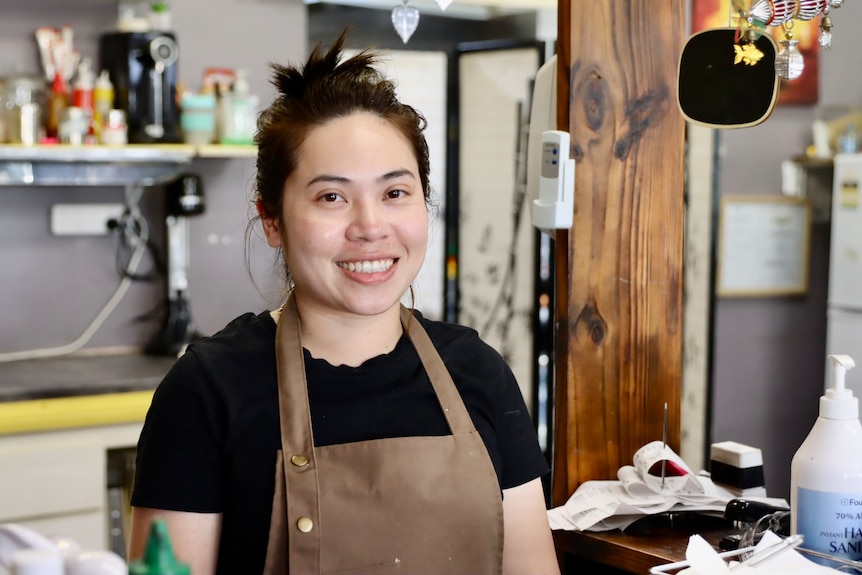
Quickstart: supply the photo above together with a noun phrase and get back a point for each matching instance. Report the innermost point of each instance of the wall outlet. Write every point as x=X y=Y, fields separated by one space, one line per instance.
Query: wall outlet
x=83 y=219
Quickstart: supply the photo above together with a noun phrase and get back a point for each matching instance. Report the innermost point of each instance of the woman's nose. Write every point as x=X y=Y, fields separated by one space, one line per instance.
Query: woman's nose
x=368 y=222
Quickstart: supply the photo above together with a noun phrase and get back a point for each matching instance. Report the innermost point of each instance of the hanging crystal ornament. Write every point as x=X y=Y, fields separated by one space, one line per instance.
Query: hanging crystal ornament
x=825 y=39
x=405 y=19
x=789 y=62
x=836 y=3
x=443 y=4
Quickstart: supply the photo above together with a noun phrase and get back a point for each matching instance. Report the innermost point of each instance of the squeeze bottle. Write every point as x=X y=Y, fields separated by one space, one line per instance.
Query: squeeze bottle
x=82 y=89
x=242 y=122
x=826 y=474
x=103 y=100
x=158 y=554
x=58 y=101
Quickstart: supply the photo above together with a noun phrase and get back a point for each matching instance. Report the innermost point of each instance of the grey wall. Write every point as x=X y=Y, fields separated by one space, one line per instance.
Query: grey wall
x=51 y=288
x=769 y=353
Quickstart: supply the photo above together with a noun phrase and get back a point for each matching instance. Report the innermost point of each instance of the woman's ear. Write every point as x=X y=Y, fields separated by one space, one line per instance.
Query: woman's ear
x=270 y=226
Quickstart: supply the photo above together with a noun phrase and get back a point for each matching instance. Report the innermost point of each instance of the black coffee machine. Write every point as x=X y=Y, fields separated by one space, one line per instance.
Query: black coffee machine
x=143 y=69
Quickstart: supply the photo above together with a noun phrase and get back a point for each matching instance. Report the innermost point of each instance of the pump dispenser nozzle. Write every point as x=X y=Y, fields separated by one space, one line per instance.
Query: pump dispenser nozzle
x=838 y=402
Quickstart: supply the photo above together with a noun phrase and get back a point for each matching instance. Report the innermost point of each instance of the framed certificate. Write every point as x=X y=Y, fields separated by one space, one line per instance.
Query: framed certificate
x=763 y=246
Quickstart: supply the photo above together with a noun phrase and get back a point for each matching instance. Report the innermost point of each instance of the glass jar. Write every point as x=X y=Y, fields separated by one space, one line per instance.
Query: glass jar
x=15 y=92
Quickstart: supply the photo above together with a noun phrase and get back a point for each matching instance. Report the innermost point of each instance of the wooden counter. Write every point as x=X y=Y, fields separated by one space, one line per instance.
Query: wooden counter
x=649 y=543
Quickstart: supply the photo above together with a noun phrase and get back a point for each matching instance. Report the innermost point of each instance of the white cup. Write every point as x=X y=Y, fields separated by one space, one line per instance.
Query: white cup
x=37 y=562
x=96 y=563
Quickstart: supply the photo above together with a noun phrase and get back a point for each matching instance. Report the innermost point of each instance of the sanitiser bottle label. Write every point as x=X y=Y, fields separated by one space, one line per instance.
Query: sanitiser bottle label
x=830 y=522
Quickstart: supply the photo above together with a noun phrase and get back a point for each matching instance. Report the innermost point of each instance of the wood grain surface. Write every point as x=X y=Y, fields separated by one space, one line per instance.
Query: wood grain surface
x=619 y=286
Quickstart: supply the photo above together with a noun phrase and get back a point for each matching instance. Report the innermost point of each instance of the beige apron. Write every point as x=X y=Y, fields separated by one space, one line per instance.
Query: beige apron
x=412 y=504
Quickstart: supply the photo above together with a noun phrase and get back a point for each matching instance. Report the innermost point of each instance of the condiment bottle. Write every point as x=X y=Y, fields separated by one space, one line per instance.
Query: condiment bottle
x=115 y=132
x=826 y=474
x=58 y=101
x=103 y=102
x=82 y=90
x=158 y=554
x=242 y=119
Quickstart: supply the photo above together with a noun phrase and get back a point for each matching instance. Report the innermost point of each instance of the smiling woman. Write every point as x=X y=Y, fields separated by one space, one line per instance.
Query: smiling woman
x=343 y=432
x=353 y=227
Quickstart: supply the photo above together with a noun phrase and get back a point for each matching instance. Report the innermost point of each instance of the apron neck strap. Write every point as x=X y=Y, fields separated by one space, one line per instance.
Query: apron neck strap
x=447 y=394
x=293 y=404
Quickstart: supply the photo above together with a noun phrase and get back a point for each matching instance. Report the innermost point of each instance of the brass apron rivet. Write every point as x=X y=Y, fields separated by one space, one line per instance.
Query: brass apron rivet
x=299 y=460
x=304 y=524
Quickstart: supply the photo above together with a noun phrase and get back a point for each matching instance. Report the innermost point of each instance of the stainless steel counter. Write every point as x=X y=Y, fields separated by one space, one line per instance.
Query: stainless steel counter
x=80 y=375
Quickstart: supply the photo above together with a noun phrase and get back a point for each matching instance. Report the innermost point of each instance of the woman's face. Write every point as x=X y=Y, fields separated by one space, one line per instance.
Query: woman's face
x=355 y=220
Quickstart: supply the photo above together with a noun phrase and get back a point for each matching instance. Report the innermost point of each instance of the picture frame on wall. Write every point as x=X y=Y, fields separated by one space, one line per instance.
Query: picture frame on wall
x=763 y=246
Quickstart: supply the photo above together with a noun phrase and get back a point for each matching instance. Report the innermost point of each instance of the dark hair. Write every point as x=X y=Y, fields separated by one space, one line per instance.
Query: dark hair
x=326 y=88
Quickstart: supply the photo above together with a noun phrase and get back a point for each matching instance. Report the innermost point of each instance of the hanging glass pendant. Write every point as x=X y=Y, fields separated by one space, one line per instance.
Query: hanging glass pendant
x=405 y=19
x=825 y=39
x=789 y=63
x=443 y=4
x=836 y=3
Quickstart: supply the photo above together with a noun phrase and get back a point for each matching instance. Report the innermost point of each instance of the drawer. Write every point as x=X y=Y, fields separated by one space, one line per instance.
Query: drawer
x=52 y=478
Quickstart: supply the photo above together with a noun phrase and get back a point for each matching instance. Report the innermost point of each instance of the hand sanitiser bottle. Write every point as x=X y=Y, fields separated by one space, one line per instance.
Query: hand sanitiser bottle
x=826 y=474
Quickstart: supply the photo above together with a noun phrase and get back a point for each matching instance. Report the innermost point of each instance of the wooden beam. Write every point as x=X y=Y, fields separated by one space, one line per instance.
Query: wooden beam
x=619 y=301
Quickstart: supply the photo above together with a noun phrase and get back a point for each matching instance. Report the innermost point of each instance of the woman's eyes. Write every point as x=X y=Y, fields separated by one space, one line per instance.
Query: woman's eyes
x=393 y=194
x=330 y=197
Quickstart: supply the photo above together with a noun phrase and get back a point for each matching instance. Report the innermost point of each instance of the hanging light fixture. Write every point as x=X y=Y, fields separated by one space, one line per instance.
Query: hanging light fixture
x=405 y=18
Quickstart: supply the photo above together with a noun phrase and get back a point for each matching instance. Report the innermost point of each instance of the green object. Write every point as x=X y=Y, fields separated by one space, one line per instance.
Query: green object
x=159 y=555
x=159 y=7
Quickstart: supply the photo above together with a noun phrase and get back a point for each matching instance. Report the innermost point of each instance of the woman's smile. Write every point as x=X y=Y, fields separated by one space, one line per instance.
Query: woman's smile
x=367 y=266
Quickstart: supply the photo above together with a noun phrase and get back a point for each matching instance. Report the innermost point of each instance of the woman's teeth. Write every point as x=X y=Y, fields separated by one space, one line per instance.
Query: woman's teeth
x=367 y=267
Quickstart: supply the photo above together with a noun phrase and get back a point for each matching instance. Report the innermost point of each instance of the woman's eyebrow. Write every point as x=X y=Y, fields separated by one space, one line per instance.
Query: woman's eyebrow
x=394 y=174
x=329 y=178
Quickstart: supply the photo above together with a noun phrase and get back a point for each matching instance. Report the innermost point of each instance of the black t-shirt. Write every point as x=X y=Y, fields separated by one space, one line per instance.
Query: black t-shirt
x=210 y=438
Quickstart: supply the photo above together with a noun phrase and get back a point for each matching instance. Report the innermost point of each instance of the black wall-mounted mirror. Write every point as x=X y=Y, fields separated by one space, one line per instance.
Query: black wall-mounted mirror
x=725 y=83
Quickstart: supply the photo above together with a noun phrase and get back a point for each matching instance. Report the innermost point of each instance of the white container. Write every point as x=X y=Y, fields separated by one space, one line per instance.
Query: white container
x=37 y=562
x=115 y=132
x=826 y=474
x=239 y=117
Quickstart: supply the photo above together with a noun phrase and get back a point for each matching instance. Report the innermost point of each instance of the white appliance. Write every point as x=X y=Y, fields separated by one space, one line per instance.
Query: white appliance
x=844 y=303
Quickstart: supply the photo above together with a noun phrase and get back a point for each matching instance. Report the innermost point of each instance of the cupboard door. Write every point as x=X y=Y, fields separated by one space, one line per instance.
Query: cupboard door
x=50 y=477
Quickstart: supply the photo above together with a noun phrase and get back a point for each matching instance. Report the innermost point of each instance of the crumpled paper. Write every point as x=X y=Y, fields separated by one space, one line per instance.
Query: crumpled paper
x=639 y=491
